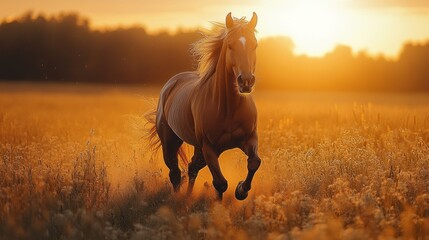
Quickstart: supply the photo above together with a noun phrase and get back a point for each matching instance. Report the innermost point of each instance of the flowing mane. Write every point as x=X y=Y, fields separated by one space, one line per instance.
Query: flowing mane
x=207 y=50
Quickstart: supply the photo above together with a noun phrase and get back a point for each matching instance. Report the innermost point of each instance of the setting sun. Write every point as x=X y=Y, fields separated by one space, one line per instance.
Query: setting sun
x=313 y=25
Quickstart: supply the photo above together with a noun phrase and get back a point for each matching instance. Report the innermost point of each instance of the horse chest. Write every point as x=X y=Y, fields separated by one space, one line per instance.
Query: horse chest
x=231 y=136
x=232 y=139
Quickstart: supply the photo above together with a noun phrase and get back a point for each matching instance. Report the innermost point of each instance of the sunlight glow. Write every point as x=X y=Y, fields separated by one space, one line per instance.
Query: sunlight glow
x=313 y=25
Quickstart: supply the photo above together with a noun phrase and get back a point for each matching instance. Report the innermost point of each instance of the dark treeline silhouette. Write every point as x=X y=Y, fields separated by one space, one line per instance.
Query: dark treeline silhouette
x=65 y=48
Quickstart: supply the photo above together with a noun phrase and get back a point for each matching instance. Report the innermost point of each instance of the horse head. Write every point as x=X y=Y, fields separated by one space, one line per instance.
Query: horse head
x=241 y=46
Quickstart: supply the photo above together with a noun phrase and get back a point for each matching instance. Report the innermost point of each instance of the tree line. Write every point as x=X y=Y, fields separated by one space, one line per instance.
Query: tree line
x=64 y=48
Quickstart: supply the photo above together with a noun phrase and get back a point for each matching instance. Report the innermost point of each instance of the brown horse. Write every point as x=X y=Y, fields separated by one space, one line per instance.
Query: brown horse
x=213 y=109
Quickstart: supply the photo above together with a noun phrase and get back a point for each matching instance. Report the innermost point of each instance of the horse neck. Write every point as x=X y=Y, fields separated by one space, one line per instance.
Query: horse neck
x=224 y=92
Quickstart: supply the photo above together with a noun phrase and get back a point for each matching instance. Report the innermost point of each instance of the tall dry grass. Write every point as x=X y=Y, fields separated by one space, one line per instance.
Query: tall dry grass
x=335 y=166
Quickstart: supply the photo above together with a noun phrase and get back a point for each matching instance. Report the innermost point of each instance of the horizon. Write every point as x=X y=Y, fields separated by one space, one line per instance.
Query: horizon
x=173 y=31
x=316 y=28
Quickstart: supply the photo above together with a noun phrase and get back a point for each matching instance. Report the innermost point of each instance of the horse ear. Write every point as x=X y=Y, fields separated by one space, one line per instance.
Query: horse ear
x=229 y=21
x=252 y=23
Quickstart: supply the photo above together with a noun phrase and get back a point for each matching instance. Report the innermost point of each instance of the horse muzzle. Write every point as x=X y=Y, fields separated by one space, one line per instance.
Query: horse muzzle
x=245 y=83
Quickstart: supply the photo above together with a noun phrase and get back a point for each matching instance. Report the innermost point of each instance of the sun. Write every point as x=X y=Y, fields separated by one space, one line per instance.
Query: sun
x=314 y=26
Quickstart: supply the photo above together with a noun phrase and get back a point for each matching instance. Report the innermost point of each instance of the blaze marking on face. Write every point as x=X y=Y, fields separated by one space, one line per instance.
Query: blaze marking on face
x=243 y=41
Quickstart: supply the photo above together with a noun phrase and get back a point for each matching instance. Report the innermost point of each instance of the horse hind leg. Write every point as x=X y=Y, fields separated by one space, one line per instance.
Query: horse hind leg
x=170 y=143
x=198 y=162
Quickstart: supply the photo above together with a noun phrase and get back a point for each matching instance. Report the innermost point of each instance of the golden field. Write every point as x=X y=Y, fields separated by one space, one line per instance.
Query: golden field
x=74 y=165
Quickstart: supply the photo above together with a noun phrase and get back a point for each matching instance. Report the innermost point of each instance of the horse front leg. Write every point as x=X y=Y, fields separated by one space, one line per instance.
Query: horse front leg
x=212 y=160
x=253 y=163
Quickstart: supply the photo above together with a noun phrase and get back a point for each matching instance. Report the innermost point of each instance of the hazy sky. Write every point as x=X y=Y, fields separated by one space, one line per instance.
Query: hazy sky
x=316 y=26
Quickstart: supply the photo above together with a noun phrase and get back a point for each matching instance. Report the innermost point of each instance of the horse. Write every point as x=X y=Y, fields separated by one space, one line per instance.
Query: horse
x=212 y=108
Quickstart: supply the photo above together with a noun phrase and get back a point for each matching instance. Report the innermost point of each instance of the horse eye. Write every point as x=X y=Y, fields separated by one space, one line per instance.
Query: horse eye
x=229 y=46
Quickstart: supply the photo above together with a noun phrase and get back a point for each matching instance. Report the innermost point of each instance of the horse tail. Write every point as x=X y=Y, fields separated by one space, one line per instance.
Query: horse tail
x=151 y=134
x=155 y=141
x=183 y=156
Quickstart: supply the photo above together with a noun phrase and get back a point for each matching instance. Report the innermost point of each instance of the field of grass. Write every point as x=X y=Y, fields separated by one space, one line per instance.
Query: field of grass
x=74 y=165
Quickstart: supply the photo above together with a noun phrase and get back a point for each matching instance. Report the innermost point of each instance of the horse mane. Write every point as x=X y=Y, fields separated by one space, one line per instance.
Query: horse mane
x=207 y=50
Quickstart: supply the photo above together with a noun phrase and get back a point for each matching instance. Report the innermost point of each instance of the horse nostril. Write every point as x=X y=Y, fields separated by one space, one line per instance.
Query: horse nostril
x=240 y=80
x=252 y=81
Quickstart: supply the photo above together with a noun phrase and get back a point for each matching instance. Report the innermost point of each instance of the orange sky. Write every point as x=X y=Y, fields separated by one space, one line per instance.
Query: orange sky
x=316 y=26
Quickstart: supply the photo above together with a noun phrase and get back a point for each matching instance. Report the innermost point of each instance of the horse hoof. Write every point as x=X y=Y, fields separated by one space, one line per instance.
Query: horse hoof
x=239 y=193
